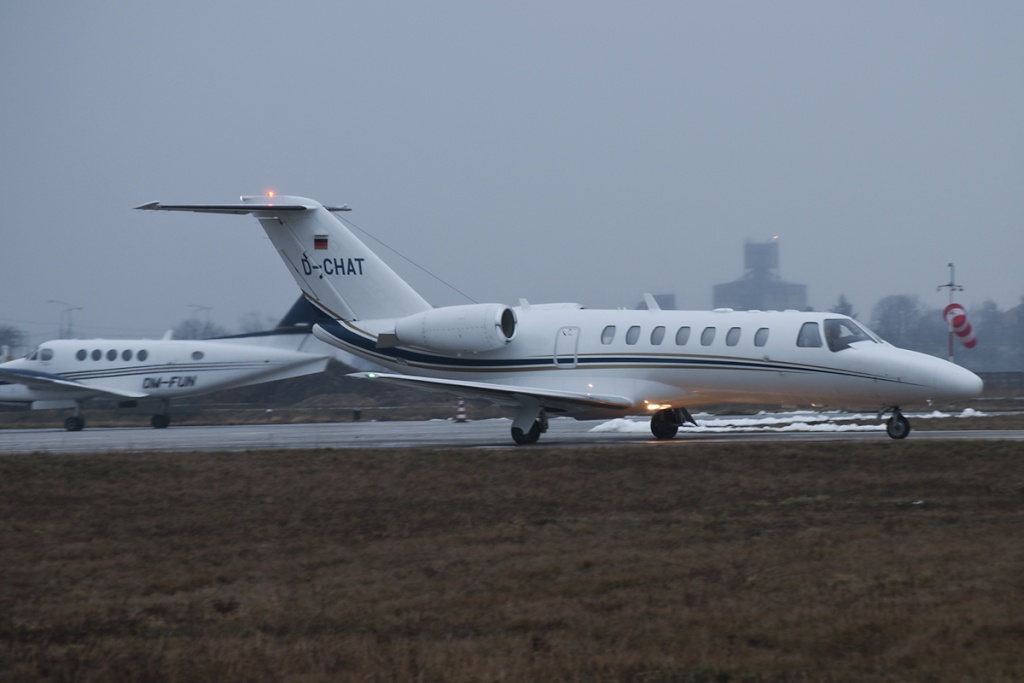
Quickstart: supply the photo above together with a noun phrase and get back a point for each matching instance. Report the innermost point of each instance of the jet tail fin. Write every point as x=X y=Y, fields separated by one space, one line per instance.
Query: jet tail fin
x=334 y=269
x=303 y=314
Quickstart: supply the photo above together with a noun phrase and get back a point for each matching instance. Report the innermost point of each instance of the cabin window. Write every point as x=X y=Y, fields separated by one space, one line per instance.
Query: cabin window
x=82 y=354
x=97 y=354
x=810 y=336
x=707 y=336
x=732 y=337
x=143 y=354
x=633 y=334
x=111 y=354
x=682 y=336
x=657 y=335
x=126 y=354
x=761 y=337
x=608 y=334
x=197 y=355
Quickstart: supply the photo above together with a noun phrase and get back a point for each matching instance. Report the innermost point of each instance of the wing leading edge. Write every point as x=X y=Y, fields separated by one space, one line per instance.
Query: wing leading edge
x=505 y=393
x=46 y=381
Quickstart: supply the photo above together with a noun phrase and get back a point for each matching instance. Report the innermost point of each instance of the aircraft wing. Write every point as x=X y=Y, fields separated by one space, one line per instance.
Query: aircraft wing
x=48 y=382
x=505 y=393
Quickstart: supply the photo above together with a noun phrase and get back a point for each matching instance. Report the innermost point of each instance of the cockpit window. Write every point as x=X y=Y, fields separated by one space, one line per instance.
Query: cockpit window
x=841 y=332
x=47 y=354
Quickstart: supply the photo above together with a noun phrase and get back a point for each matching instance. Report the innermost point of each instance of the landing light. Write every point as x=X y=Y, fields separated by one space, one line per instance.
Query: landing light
x=271 y=193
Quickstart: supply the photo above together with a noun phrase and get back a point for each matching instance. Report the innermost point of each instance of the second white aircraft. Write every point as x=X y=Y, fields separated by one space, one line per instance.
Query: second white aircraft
x=65 y=373
x=563 y=359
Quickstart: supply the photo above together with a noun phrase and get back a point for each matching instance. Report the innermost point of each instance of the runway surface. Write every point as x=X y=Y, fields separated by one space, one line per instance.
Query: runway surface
x=446 y=434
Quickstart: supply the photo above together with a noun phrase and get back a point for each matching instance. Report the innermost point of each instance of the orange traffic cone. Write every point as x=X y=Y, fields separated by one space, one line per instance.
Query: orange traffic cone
x=460 y=414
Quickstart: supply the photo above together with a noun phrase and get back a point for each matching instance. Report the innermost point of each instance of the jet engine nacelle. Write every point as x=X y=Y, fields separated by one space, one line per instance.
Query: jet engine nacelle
x=459 y=329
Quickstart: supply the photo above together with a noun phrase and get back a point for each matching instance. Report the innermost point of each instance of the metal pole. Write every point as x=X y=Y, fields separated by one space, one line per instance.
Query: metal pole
x=952 y=286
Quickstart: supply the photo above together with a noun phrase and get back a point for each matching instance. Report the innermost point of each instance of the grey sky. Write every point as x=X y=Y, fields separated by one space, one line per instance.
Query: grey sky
x=557 y=151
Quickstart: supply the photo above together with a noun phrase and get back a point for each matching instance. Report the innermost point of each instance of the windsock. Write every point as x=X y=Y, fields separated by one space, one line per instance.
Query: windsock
x=956 y=318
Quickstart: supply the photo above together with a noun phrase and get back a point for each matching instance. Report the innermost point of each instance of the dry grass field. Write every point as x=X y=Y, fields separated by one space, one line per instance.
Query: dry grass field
x=674 y=562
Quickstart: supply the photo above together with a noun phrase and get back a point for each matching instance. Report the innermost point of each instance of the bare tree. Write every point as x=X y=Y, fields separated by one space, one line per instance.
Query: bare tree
x=896 y=319
x=12 y=338
x=254 y=322
x=194 y=328
x=844 y=307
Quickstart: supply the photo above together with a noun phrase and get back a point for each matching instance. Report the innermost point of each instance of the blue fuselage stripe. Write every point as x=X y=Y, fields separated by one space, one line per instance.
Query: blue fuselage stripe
x=400 y=356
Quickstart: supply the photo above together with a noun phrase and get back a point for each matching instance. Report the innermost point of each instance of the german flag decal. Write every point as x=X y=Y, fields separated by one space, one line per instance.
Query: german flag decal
x=319 y=241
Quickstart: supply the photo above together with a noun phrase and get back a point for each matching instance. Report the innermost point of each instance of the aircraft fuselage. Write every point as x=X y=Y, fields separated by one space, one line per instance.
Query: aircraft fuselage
x=680 y=358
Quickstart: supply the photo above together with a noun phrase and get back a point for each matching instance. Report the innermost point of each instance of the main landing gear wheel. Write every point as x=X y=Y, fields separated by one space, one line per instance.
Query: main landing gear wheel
x=538 y=426
x=526 y=438
x=665 y=424
x=74 y=424
x=160 y=421
x=897 y=426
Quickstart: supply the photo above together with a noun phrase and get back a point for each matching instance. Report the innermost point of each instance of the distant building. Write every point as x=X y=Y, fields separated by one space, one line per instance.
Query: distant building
x=760 y=288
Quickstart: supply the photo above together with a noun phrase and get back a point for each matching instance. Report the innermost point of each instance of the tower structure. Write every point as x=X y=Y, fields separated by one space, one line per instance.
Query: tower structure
x=760 y=288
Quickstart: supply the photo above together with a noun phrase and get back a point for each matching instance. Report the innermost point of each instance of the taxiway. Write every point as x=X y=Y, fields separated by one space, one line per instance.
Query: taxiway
x=401 y=434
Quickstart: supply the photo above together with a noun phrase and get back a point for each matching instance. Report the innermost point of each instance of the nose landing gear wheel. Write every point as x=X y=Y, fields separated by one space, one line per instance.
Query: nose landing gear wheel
x=897 y=426
x=74 y=424
x=160 y=421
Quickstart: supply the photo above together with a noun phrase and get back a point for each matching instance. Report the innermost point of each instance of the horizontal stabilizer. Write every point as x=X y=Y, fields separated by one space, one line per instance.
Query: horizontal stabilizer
x=333 y=268
x=504 y=393
x=238 y=209
x=46 y=381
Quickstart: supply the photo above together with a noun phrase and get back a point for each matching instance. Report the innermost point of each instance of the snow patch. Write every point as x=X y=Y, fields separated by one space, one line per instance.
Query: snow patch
x=795 y=421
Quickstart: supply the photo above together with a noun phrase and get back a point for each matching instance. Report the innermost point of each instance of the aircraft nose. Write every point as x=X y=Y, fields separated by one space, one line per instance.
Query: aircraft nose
x=953 y=382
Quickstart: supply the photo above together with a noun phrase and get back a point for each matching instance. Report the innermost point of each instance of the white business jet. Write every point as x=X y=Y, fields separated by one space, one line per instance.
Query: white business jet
x=563 y=359
x=64 y=373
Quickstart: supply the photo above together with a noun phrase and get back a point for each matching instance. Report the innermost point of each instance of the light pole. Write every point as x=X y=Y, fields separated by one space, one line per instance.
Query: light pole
x=66 y=312
x=952 y=286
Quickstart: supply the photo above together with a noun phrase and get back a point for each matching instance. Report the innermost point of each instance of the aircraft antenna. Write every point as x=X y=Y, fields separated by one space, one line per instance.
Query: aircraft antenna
x=410 y=261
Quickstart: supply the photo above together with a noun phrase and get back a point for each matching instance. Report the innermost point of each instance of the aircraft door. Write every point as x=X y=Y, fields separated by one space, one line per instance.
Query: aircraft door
x=566 y=340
